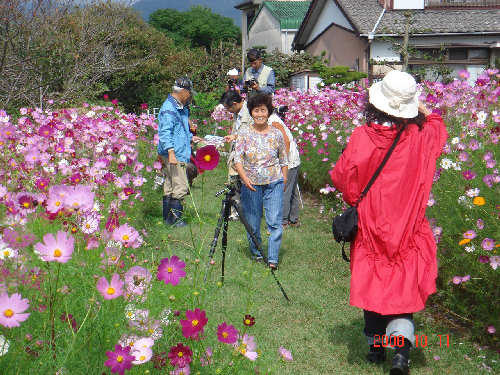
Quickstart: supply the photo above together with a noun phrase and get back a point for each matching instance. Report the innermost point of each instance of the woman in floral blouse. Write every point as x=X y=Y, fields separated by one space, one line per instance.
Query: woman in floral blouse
x=261 y=162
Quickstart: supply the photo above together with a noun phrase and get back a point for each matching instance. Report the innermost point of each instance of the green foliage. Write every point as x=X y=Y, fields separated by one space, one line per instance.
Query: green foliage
x=337 y=74
x=197 y=27
x=284 y=64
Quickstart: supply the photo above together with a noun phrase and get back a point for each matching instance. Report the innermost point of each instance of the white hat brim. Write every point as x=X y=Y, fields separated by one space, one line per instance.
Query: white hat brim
x=381 y=102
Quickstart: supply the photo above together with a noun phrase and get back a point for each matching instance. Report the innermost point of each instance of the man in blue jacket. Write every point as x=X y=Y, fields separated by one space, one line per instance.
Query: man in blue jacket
x=174 y=148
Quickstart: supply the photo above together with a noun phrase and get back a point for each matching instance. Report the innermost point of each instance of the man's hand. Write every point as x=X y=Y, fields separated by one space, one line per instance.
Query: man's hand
x=230 y=138
x=256 y=86
x=196 y=139
x=171 y=157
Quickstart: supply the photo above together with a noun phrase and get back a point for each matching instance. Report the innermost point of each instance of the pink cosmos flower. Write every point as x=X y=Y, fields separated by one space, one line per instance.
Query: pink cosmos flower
x=80 y=197
x=180 y=355
x=480 y=223
x=470 y=234
x=186 y=370
x=137 y=279
x=111 y=290
x=57 y=249
x=194 y=324
x=285 y=354
x=17 y=239
x=464 y=74
x=171 y=270
x=127 y=235
x=119 y=360
x=207 y=158
x=57 y=196
x=488 y=244
x=494 y=261
x=142 y=355
x=227 y=333
x=206 y=358
x=12 y=309
x=491 y=329
x=469 y=175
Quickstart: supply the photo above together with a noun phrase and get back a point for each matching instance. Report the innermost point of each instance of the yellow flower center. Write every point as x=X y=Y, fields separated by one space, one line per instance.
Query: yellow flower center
x=142 y=357
x=119 y=359
x=125 y=237
x=58 y=204
x=243 y=351
x=113 y=258
x=26 y=204
x=194 y=323
x=87 y=226
x=207 y=158
x=110 y=291
x=57 y=253
x=170 y=270
x=224 y=334
x=247 y=321
x=75 y=204
x=6 y=253
x=8 y=313
x=180 y=354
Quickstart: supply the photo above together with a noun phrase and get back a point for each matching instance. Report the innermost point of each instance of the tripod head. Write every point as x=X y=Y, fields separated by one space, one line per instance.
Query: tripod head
x=230 y=190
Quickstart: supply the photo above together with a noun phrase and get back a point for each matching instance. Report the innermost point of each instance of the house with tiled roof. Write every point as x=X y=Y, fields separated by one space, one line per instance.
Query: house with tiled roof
x=271 y=24
x=460 y=34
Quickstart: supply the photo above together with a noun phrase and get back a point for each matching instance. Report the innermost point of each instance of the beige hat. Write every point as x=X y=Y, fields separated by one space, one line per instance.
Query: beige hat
x=396 y=95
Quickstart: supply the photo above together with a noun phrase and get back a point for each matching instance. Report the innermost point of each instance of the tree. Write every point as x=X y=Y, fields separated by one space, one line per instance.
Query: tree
x=197 y=27
x=337 y=74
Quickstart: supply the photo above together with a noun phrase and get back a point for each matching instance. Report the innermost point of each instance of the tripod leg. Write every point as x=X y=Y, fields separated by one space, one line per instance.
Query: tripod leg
x=227 y=211
x=216 y=237
x=257 y=244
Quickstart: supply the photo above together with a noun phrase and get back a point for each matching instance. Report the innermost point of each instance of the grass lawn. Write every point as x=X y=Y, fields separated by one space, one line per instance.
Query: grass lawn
x=318 y=326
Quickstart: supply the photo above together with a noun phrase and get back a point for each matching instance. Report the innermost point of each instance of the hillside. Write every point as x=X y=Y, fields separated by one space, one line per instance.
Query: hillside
x=222 y=7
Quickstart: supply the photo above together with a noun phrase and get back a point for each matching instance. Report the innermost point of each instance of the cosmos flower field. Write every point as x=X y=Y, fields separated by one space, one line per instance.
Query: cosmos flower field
x=80 y=282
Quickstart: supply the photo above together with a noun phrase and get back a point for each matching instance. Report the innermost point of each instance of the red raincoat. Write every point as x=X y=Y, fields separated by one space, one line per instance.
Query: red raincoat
x=393 y=258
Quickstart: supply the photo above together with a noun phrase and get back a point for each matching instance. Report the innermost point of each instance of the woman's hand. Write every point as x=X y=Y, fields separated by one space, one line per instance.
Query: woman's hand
x=230 y=138
x=246 y=181
x=423 y=109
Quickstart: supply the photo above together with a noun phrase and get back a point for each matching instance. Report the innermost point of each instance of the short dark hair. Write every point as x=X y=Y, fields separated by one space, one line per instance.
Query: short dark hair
x=231 y=97
x=254 y=54
x=260 y=99
x=373 y=114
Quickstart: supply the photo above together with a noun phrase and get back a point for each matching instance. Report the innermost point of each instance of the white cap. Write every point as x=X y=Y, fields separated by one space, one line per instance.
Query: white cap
x=233 y=72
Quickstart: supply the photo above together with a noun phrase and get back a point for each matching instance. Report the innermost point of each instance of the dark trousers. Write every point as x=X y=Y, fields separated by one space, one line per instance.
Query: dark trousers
x=375 y=323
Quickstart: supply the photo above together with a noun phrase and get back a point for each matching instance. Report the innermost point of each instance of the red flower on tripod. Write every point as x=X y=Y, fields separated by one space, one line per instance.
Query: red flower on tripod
x=207 y=158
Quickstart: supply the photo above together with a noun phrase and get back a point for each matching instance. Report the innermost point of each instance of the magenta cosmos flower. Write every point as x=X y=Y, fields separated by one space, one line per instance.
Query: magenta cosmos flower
x=127 y=235
x=207 y=158
x=12 y=309
x=137 y=280
x=119 y=360
x=193 y=325
x=285 y=354
x=180 y=355
x=227 y=333
x=59 y=248
x=111 y=290
x=171 y=270
x=488 y=244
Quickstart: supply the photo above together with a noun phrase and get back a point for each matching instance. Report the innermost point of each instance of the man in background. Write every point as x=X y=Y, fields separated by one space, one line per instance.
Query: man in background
x=174 y=148
x=260 y=77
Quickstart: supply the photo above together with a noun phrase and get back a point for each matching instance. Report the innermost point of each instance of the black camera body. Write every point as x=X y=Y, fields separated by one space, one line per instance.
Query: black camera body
x=250 y=82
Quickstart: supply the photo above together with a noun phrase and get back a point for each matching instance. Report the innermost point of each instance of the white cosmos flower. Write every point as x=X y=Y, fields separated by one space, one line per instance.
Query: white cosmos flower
x=446 y=163
x=4 y=345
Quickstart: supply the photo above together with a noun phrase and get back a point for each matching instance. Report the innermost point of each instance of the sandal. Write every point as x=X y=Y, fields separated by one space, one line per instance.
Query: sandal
x=273 y=266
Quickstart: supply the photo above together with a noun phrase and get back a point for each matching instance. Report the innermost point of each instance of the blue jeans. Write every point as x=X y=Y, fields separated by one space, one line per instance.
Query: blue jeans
x=269 y=197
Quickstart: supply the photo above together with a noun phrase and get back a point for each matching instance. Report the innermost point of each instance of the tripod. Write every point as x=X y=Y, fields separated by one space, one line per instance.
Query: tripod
x=223 y=222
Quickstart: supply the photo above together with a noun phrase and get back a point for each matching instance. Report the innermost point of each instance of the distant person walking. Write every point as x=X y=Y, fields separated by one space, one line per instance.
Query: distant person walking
x=393 y=257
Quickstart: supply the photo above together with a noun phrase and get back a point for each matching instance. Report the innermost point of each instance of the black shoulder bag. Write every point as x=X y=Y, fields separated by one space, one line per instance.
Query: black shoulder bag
x=345 y=225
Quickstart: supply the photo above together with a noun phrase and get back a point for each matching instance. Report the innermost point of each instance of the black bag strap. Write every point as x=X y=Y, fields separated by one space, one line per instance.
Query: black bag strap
x=344 y=255
x=380 y=167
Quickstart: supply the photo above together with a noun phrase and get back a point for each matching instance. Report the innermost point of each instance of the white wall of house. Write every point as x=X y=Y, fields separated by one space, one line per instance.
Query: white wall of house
x=305 y=81
x=287 y=36
x=383 y=51
x=408 y=4
x=265 y=31
x=329 y=14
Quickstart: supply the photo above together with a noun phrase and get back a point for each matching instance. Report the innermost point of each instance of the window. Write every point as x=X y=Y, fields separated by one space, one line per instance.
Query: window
x=457 y=54
x=478 y=53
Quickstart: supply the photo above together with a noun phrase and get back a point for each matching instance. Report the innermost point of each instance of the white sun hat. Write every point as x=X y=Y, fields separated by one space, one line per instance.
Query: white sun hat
x=396 y=95
x=233 y=72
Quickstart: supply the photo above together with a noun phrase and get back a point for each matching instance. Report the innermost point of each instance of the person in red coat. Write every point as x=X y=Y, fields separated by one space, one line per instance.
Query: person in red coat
x=393 y=257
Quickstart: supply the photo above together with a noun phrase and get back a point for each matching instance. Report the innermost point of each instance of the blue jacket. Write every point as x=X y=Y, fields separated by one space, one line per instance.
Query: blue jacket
x=173 y=130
